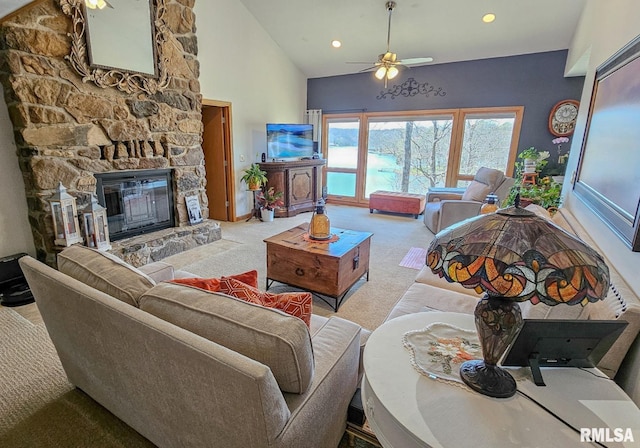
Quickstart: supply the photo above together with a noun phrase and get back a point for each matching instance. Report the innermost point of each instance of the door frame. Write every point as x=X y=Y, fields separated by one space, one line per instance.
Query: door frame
x=228 y=154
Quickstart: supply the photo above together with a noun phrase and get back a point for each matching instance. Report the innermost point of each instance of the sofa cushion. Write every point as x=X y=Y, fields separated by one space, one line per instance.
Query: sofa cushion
x=538 y=210
x=560 y=311
x=298 y=304
x=476 y=191
x=420 y=295
x=104 y=272
x=484 y=182
x=213 y=284
x=266 y=335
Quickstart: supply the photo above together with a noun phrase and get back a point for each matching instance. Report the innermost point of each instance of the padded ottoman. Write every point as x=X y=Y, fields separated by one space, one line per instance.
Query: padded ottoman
x=397 y=202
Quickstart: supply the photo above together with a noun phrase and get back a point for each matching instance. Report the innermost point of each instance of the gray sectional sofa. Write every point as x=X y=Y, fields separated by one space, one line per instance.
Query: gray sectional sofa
x=191 y=368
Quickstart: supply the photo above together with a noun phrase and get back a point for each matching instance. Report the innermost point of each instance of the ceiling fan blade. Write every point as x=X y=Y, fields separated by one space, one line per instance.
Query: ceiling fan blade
x=353 y=62
x=367 y=69
x=415 y=61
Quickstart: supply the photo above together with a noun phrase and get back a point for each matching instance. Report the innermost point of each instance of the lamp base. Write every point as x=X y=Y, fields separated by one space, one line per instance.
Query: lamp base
x=488 y=379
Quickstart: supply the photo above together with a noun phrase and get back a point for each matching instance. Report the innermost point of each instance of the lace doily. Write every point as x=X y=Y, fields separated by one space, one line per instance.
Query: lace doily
x=438 y=350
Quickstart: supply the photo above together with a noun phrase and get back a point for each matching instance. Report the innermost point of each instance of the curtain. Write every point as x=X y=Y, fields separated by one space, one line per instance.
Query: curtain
x=314 y=117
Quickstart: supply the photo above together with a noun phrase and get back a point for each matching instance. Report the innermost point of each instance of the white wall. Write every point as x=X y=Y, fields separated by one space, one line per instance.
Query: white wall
x=240 y=63
x=605 y=28
x=15 y=232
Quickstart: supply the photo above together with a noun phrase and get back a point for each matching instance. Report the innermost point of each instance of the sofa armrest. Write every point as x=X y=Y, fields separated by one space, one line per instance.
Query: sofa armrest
x=435 y=196
x=159 y=271
x=452 y=212
x=336 y=348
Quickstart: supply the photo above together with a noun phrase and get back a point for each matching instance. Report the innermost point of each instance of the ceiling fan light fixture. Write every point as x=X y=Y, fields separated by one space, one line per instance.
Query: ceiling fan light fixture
x=392 y=72
x=381 y=72
x=91 y=4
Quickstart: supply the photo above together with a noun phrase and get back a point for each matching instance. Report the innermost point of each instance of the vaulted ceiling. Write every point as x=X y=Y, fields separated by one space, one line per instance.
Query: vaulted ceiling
x=447 y=31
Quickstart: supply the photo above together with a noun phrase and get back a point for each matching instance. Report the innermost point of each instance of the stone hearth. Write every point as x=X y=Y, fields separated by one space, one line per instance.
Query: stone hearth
x=143 y=249
x=68 y=130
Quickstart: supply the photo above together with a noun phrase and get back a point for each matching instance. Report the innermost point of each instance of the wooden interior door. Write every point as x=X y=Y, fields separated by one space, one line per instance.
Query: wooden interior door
x=216 y=145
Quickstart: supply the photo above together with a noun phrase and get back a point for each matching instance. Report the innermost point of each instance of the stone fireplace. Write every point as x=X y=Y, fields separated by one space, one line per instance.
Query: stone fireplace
x=137 y=202
x=74 y=132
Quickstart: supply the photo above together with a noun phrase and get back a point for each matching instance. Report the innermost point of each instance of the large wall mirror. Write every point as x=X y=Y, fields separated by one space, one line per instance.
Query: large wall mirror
x=119 y=44
x=608 y=176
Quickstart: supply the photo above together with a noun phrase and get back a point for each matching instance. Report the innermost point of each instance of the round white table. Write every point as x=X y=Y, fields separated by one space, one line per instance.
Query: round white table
x=407 y=409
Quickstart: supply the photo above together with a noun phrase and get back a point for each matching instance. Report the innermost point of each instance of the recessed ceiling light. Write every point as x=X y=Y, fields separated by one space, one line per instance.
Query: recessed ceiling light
x=488 y=18
x=336 y=43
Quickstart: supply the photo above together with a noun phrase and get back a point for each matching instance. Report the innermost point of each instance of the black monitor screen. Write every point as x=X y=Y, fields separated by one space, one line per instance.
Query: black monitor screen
x=574 y=343
x=562 y=343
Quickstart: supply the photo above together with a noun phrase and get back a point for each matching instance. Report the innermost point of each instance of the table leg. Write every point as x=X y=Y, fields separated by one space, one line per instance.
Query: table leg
x=268 y=284
x=255 y=213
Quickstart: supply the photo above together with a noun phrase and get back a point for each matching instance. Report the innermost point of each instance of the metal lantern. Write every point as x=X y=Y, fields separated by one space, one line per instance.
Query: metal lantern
x=95 y=225
x=65 y=218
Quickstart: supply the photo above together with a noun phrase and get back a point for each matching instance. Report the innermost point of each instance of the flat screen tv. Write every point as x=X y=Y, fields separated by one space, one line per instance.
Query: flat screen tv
x=289 y=141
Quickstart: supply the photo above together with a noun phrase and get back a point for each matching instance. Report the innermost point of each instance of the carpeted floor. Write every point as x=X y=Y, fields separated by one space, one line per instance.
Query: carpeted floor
x=368 y=303
x=39 y=408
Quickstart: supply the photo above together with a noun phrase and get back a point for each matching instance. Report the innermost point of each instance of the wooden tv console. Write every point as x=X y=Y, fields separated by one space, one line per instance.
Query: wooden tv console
x=300 y=181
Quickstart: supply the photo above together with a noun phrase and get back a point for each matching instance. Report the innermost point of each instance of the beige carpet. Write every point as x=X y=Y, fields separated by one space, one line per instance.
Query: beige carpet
x=39 y=408
x=368 y=303
x=31 y=373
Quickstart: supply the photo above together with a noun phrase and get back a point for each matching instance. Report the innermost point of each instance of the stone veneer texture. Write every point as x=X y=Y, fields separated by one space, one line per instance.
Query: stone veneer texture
x=67 y=130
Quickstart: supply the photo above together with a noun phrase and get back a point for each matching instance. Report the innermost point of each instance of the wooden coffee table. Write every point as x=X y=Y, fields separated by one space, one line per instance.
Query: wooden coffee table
x=323 y=268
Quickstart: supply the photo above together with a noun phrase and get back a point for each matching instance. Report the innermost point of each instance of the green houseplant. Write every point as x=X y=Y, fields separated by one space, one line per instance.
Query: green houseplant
x=545 y=193
x=254 y=177
x=531 y=156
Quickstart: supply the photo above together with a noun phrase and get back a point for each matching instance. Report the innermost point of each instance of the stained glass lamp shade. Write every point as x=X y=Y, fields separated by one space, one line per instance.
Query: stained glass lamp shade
x=512 y=256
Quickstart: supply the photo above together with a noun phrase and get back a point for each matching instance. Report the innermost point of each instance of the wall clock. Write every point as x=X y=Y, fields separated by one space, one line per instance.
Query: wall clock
x=562 y=119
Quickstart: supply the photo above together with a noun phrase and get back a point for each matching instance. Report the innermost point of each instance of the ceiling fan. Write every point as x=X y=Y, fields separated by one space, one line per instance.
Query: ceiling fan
x=387 y=64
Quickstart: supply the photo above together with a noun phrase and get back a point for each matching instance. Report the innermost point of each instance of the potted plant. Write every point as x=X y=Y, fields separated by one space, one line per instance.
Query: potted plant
x=268 y=202
x=546 y=193
x=254 y=177
x=534 y=161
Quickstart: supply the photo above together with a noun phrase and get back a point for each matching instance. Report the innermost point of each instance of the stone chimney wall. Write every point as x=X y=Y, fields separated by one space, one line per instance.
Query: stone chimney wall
x=67 y=130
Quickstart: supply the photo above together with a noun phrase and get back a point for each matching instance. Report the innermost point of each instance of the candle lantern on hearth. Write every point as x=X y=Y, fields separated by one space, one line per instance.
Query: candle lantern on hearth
x=65 y=218
x=95 y=225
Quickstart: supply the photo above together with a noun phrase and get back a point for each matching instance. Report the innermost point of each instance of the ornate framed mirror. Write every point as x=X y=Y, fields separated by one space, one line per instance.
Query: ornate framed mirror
x=118 y=44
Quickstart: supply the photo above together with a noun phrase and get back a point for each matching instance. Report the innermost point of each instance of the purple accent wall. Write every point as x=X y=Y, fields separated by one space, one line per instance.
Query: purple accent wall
x=535 y=81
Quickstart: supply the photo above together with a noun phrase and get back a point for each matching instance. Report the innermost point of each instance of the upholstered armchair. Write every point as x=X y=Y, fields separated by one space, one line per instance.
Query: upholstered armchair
x=447 y=206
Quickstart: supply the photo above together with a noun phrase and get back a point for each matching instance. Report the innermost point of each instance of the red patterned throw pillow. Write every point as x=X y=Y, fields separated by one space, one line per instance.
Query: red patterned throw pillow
x=213 y=284
x=298 y=304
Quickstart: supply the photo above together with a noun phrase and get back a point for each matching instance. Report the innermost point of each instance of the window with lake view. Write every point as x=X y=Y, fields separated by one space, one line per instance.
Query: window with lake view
x=413 y=151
